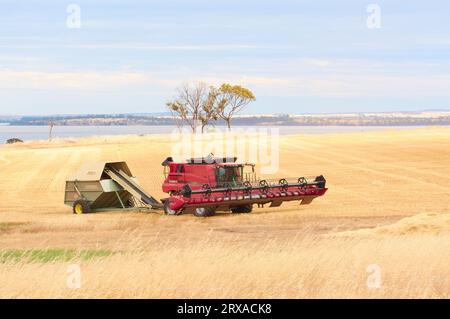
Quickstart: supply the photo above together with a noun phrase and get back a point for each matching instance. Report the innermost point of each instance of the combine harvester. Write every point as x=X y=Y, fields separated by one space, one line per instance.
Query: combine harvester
x=201 y=186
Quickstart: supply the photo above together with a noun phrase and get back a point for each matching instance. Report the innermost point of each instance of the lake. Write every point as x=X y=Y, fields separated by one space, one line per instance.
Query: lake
x=27 y=133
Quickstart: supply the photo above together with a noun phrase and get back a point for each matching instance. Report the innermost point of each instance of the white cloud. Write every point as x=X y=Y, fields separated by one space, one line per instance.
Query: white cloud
x=328 y=84
x=156 y=46
x=10 y=79
x=371 y=86
x=18 y=59
x=140 y=46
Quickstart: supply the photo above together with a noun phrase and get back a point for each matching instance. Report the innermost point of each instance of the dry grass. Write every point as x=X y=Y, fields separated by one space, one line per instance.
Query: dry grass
x=312 y=267
x=387 y=205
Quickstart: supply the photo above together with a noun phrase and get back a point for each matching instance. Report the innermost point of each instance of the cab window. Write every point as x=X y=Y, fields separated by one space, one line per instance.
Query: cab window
x=229 y=176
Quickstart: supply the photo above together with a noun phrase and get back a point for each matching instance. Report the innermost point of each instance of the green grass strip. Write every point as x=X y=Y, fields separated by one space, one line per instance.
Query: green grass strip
x=50 y=255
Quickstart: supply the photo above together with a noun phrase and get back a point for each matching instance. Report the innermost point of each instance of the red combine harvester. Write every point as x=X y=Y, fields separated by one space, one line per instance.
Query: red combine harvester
x=203 y=186
x=200 y=186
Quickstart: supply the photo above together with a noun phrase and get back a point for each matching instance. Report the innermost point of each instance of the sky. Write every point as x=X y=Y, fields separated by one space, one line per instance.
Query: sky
x=296 y=56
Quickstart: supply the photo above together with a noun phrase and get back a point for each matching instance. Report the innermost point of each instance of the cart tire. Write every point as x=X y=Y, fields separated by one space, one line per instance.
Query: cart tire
x=81 y=206
x=244 y=209
x=204 y=212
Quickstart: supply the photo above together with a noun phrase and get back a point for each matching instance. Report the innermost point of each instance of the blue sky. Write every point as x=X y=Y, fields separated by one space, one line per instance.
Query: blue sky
x=297 y=56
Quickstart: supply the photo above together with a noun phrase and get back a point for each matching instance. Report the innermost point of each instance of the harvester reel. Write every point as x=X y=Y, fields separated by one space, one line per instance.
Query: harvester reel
x=248 y=187
x=302 y=183
x=284 y=184
x=207 y=189
x=264 y=186
x=228 y=191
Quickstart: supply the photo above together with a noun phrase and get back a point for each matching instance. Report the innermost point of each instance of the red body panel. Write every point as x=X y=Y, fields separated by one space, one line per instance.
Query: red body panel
x=196 y=175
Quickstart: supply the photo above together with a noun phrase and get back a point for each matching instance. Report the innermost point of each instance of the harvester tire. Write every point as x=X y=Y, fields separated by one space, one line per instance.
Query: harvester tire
x=169 y=211
x=204 y=212
x=244 y=209
x=81 y=206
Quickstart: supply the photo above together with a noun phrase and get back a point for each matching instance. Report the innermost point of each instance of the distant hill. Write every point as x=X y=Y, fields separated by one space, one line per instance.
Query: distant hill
x=344 y=119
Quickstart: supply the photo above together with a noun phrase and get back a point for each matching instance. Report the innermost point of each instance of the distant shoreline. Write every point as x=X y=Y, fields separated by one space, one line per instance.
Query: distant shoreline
x=424 y=118
x=238 y=125
x=242 y=125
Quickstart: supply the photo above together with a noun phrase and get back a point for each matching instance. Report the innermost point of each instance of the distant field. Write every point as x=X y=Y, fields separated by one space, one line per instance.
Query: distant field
x=33 y=133
x=387 y=205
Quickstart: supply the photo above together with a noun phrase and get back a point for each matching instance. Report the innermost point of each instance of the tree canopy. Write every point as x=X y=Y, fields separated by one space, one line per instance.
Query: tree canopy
x=233 y=99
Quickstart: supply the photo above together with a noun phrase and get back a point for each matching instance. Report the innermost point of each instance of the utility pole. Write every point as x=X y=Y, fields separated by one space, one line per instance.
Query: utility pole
x=50 y=135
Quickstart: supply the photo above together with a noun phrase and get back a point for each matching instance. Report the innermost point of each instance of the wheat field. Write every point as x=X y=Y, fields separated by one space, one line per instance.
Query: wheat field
x=387 y=213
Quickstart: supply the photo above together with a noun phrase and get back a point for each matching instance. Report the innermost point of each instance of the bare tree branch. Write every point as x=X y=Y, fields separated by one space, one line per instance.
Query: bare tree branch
x=195 y=105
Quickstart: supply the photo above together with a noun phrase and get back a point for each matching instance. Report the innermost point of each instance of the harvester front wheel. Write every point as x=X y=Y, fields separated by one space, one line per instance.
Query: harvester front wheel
x=244 y=209
x=170 y=211
x=81 y=206
x=204 y=212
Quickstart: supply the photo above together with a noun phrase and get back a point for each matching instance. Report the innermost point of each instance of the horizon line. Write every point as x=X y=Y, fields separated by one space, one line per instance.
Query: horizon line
x=440 y=110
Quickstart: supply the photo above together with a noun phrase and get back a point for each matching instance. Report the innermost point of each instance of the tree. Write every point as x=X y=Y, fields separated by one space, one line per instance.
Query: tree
x=233 y=98
x=209 y=111
x=174 y=110
x=194 y=105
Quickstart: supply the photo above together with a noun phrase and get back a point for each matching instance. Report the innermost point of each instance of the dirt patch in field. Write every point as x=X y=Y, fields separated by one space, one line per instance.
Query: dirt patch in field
x=432 y=224
x=9 y=227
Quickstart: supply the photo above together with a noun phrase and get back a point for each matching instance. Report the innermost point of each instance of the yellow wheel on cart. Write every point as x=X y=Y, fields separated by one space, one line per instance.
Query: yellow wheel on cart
x=81 y=207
